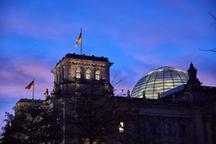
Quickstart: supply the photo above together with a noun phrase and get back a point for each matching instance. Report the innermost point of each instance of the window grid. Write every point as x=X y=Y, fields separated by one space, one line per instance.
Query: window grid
x=158 y=81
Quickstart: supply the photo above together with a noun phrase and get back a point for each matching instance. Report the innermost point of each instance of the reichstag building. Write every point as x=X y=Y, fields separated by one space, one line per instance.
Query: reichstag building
x=166 y=106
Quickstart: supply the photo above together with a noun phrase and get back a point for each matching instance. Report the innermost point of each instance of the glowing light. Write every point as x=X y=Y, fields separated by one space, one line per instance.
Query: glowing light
x=121 y=127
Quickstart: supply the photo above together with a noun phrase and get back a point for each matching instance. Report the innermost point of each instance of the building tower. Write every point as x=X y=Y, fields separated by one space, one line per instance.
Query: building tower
x=192 y=73
x=79 y=73
x=78 y=78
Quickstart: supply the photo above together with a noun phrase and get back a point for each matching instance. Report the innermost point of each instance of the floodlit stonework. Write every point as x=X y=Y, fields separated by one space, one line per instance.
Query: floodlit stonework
x=76 y=71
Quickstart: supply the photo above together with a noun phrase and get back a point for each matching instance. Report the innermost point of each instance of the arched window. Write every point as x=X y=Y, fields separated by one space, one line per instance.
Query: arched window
x=78 y=73
x=88 y=74
x=97 y=75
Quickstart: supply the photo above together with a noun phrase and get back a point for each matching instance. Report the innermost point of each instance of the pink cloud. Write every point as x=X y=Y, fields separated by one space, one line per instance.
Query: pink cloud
x=35 y=70
x=16 y=77
x=207 y=78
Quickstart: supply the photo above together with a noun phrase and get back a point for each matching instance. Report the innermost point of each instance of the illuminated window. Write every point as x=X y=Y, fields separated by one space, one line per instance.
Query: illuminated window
x=87 y=141
x=78 y=73
x=121 y=127
x=97 y=75
x=88 y=74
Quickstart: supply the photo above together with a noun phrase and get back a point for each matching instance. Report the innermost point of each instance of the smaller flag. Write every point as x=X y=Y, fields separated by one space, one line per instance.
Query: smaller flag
x=79 y=40
x=30 y=85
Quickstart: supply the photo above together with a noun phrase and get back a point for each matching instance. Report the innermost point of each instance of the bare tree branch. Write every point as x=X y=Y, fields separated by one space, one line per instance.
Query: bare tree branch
x=211 y=50
x=213 y=16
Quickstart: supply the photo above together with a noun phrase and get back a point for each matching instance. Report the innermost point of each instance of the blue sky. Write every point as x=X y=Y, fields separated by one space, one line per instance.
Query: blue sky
x=137 y=35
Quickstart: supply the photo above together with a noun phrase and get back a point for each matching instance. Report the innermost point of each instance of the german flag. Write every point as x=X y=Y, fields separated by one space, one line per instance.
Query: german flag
x=30 y=85
x=79 y=40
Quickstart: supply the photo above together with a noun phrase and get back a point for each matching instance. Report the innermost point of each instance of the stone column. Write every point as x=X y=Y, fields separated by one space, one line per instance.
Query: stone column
x=199 y=127
x=209 y=129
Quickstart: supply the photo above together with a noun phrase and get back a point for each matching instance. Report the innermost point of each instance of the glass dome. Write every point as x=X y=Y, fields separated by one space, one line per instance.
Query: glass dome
x=158 y=81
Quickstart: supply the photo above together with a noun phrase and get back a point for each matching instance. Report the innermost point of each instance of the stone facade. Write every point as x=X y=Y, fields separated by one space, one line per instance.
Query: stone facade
x=75 y=72
x=168 y=122
x=182 y=116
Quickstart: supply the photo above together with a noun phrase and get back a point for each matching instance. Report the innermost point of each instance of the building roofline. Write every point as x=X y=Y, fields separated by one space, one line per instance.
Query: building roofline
x=30 y=100
x=85 y=57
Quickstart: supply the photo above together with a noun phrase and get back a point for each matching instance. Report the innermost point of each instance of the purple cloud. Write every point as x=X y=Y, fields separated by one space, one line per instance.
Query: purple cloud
x=17 y=74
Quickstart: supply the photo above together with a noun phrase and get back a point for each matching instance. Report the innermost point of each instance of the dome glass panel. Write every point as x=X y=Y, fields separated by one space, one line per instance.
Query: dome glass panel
x=158 y=81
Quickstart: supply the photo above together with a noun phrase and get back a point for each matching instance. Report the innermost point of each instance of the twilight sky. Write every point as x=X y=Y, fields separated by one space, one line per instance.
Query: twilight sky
x=137 y=35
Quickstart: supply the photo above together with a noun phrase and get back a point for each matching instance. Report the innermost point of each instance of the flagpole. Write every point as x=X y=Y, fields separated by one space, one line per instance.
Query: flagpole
x=81 y=42
x=33 y=90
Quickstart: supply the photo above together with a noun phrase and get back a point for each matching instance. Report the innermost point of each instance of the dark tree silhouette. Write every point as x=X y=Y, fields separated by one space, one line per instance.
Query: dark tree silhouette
x=6 y=136
x=97 y=117
x=32 y=125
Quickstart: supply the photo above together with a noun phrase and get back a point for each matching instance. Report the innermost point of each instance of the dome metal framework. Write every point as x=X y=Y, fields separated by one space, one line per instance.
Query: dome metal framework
x=158 y=81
